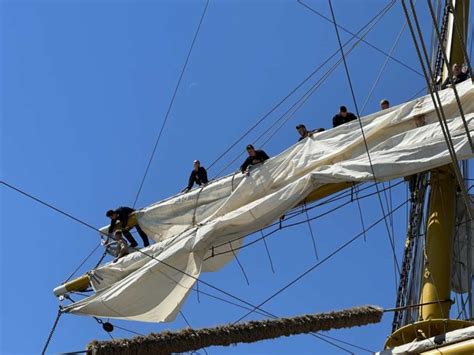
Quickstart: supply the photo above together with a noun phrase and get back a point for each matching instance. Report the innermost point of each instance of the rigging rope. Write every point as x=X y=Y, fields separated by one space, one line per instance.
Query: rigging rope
x=451 y=73
x=279 y=229
x=171 y=103
x=412 y=239
x=436 y=100
x=48 y=205
x=305 y=97
x=298 y=223
x=238 y=262
x=328 y=257
x=268 y=252
x=311 y=231
x=51 y=333
x=218 y=297
x=382 y=68
x=65 y=214
x=388 y=55
x=385 y=9
x=239 y=299
x=83 y=262
x=390 y=236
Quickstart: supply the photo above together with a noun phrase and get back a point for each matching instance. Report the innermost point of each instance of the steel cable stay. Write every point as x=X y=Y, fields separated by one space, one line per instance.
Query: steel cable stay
x=203 y=282
x=60 y=211
x=48 y=205
x=245 y=302
x=82 y=263
x=302 y=100
x=264 y=143
x=382 y=12
x=450 y=71
x=382 y=68
x=255 y=308
x=268 y=252
x=51 y=333
x=359 y=209
x=171 y=102
x=389 y=55
x=279 y=229
x=390 y=237
x=436 y=100
x=322 y=261
x=79 y=221
x=300 y=103
x=298 y=213
x=137 y=198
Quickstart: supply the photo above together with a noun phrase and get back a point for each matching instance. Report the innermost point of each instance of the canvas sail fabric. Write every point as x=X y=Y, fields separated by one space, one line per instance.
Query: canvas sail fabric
x=152 y=285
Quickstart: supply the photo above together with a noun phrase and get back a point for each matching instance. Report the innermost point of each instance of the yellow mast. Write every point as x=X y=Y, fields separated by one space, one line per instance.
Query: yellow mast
x=436 y=283
x=438 y=245
x=441 y=214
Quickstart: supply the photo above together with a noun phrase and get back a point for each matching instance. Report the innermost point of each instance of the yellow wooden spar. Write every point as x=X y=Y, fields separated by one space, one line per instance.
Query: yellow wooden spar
x=76 y=285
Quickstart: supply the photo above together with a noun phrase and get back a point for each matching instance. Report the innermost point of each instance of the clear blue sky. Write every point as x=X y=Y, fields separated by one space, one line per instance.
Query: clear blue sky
x=84 y=88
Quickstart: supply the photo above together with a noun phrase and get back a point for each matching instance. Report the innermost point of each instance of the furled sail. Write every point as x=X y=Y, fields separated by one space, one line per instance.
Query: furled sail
x=152 y=285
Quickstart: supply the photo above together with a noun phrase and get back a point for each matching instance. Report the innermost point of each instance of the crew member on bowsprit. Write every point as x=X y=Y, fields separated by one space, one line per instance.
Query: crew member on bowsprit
x=123 y=214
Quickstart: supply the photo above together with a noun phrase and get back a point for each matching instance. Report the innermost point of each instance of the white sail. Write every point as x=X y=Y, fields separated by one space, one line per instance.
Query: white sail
x=403 y=140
